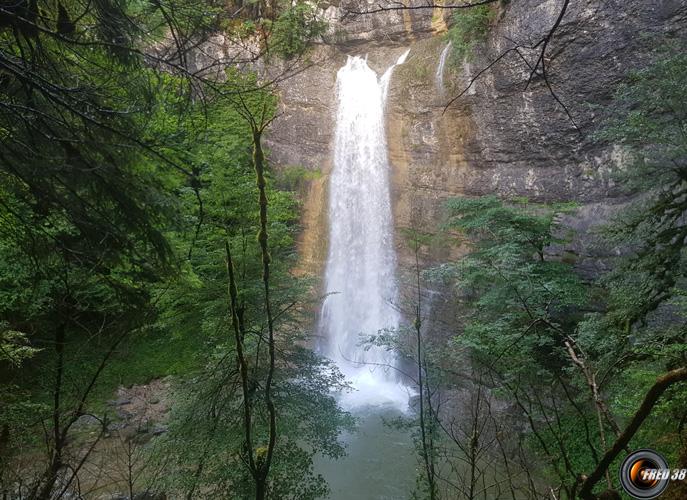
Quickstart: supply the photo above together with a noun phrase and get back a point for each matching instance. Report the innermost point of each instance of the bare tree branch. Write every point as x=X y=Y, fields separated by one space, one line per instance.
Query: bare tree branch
x=650 y=399
x=393 y=6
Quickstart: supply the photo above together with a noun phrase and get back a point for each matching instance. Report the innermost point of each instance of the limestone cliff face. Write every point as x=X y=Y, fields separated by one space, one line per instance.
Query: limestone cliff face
x=497 y=138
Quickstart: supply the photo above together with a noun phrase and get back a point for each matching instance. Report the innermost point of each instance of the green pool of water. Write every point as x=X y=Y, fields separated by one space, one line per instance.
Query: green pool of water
x=381 y=461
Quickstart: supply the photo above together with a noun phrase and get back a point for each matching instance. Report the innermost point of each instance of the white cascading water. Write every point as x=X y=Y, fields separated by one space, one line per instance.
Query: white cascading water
x=439 y=76
x=360 y=271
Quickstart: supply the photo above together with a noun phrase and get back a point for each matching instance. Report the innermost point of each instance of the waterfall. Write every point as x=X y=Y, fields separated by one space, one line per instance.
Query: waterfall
x=439 y=76
x=361 y=265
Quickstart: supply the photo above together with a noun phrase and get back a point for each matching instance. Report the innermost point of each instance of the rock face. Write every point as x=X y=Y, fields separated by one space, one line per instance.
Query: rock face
x=502 y=136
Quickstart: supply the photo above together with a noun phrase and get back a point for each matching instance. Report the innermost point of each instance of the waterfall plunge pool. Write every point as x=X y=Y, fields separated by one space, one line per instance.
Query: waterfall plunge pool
x=380 y=463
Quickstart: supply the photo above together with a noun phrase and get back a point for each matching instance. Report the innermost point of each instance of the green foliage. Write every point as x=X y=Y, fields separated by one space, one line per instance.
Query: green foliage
x=14 y=348
x=522 y=307
x=119 y=185
x=294 y=29
x=84 y=198
x=517 y=296
x=651 y=124
x=15 y=404
x=470 y=27
x=524 y=313
x=645 y=317
x=529 y=325
x=205 y=448
x=294 y=178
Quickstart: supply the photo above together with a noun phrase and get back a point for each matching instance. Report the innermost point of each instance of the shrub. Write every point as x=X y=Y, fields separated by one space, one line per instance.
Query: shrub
x=294 y=29
x=470 y=26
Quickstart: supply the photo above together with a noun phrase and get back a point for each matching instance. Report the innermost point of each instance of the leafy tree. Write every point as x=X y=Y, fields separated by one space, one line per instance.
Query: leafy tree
x=643 y=325
x=294 y=29
x=517 y=296
x=519 y=303
x=515 y=302
x=82 y=196
x=221 y=428
x=651 y=128
x=98 y=107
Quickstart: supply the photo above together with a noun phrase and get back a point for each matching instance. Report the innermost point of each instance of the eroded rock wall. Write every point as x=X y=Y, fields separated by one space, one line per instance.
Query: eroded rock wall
x=502 y=136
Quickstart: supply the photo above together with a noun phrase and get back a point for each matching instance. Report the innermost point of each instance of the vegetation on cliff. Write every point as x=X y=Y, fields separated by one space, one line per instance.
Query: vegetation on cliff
x=583 y=370
x=469 y=27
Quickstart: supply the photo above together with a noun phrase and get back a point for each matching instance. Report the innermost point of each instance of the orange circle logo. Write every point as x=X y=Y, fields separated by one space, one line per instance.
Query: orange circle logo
x=640 y=471
x=644 y=474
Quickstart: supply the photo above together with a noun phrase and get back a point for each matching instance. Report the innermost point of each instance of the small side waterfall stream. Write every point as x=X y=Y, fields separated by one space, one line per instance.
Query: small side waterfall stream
x=439 y=75
x=360 y=270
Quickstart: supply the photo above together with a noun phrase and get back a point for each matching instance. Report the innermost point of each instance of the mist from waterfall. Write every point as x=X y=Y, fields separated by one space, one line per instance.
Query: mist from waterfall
x=439 y=75
x=361 y=265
